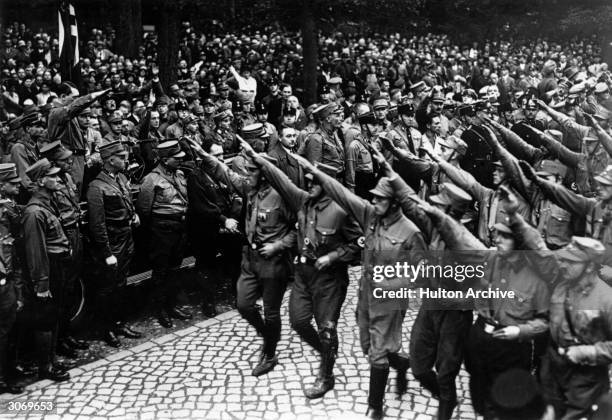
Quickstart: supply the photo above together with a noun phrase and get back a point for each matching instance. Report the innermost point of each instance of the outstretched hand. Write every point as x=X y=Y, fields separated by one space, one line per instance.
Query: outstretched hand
x=509 y=200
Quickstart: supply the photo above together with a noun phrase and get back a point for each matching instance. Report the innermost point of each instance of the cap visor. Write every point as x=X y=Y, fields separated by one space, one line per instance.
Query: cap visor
x=53 y=171
x=179 y=155
x=438 y=200
x=14 y=180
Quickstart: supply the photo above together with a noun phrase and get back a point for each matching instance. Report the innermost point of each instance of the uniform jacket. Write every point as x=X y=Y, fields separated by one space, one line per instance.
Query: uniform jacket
x=62 y=124
x=162 y=192
x=325 y=147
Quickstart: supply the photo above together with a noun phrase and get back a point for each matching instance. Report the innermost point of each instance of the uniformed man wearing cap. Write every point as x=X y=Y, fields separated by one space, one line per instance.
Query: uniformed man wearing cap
x=380 y=106
x=223 y=103
x=115 y=122
x=389 y=237
x=11 y=287
x=111 y=218
x=207 y=118
x=478 y=159
x=261 y=112
x=265 y=259
x=162 y=204
x=325 y=145
x=359 y=175
x=176 y=130
x=575 y=371
x=224 y=134
x=64 y=126
x=191 y=135
x=257 y=137
x=24 y=152
x=47 y=250
x=67 y=202
x=433 y=104
x=327 y=241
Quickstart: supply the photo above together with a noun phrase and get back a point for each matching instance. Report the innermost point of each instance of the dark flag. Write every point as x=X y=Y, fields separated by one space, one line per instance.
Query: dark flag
x=68 y=42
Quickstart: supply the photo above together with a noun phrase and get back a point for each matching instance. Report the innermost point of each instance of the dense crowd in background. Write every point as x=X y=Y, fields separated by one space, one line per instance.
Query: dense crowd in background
x=498 y=143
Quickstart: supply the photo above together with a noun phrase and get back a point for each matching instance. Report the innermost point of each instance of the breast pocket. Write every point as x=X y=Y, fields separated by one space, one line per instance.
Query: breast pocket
x=165 y=192
x=112 y=201
x=521 y=307
x=560 y=222
x=268 y=218
x=325 y=236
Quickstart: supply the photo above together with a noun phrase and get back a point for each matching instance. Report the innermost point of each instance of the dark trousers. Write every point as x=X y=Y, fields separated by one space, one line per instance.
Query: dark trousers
x=319 y=294
x=72 y=275
x=168 y=239
x=266 y=278
x=572 y=389
x=112 y=279
x=8 y=314
x=438 y=340
x=487 y=357
x=42 y=315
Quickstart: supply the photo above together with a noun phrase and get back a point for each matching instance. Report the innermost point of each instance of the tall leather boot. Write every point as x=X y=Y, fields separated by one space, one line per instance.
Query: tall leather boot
x=401 y=363
x=429 y=381
x=378 y=384
x=208 y=293
x=329 y=347
x=445 y=409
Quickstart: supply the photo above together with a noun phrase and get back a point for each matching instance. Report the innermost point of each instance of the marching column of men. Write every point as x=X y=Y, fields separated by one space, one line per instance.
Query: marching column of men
x=396 y=180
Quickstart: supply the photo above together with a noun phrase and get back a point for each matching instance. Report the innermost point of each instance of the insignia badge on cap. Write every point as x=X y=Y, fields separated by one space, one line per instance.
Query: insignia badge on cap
x=253 y=246
x=2 y=282
x=303 y=259
x=306 y=241
x=361 y=241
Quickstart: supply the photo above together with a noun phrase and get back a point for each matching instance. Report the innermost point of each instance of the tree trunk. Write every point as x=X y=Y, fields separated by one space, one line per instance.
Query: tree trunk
x=310 y=51
x=168 y=15
x=129 y=27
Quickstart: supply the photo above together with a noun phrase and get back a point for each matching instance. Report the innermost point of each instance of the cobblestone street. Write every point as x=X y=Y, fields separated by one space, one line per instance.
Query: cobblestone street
x=204 y=372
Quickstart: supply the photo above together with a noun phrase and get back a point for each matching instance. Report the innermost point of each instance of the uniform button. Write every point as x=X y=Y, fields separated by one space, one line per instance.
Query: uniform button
x=503 y=280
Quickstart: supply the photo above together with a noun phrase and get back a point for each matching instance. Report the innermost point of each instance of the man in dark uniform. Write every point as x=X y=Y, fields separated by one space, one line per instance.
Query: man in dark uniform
x=212 y=226
x=67 y=202
x=11 y=298
x=111 y=217
x=325 y=145
x=64 y=126
x=478 y=160
x=327 y=242
x=265 y=260
x=389 y=237
x=224 y=135
x=46 y=252
x=162 y=203
x=25 y=153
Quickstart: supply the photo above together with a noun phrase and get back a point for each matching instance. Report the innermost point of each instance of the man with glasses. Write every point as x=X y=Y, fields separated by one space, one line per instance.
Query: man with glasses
x=111 y=217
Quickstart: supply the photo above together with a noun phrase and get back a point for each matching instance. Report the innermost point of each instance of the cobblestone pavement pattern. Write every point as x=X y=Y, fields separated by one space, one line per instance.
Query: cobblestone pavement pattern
x=204 y=372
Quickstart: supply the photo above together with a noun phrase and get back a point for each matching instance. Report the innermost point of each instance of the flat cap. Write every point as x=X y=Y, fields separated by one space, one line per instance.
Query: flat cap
x=220 y=116
x=502 y=228
x=162 y=100
x=41 y=168
x=55 y=151
x=406 y=109
x=111 y=149
x=581 y=249
x=380 y=103
x=254 y=131
x=170 y=149
x=115 y=118
x=8 y=173
x=326 y=110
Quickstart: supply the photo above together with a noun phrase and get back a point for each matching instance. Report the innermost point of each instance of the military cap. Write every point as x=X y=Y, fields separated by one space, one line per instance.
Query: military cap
x=449 y=104
x=162 y=100
x=55 y=151
x=577 y=89
x=502 y=228
x=181 y=106
x=223 y=86
x=261 y=108
x=552 y=167
x=571 y=72
x=8 y=173
x=466 y=110
x=460 y=79
x=380 y=103
x=220 y=116
x=605 y=177
x=198 y=110
x=191 y=119
x=208 y=101
x=310 y=109
x=555 y=134
x=111 y=149
x=31 y=119
x=383 y=188
x=437 y=97
x=406 y=109
x=254 y=131
x=250 y=163
x=455 y=143
x=115 y=119
x=469 y=93
x=336 y=80
x=418 y=86
x=497 y=163
x=170 y=149
x=582 y=249
x=601 y=113
x=452 y=195
x=41 y=168
x=481 y=106
x=86 y=111
x=601 y=87
x=326 y=110
x=516 y=394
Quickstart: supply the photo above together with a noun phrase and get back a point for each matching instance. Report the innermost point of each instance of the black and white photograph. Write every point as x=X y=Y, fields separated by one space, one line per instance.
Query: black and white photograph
x=305 y=209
